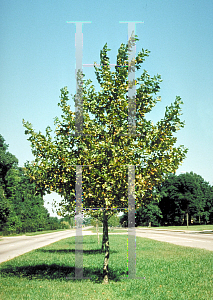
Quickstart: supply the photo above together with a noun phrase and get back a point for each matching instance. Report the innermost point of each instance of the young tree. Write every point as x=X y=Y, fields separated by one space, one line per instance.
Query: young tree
x=107 y=147
x=113 y=221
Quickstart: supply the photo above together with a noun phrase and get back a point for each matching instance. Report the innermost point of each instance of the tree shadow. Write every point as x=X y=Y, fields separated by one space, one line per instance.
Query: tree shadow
x=87 y=242
x=66 y=271
x=55 y=271
x=64 y=251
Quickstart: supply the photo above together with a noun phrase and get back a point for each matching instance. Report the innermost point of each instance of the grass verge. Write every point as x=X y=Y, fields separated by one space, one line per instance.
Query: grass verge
x=111 y=230
x=170 y=271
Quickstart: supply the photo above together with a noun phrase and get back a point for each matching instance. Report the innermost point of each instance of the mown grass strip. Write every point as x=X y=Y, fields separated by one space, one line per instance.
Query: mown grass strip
x=110 y=230
x=170 y=271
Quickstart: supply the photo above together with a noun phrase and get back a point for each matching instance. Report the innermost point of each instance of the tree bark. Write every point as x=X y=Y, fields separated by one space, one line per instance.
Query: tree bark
x=105 y=243
x=187 y=216
x=97 y=230
x=104 y=235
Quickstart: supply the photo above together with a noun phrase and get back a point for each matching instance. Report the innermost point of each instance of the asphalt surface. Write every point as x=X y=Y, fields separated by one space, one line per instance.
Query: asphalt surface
x=11 y=247
x=202 y=240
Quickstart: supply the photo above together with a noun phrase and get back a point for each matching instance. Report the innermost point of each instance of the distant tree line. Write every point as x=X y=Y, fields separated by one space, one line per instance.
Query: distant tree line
x=183 y=198
x=21 y=209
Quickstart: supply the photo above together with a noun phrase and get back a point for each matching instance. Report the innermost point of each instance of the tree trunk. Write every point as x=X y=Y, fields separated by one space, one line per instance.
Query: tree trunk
x=97 y=230
x=187 y=217
x=106 y=244
x=104 y=230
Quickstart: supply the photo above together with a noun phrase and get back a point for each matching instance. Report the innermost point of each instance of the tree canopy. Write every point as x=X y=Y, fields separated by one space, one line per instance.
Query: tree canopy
x=7 y=160
x=20 y=209
x=186 y=192
x=104 y=149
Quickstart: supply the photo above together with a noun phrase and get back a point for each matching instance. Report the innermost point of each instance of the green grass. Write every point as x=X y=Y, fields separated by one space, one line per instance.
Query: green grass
x=190 y=228
x=170 y=271
x=111 y=230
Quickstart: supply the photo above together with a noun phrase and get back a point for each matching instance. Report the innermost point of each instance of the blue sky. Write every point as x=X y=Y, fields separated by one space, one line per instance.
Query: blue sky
x=37 y=59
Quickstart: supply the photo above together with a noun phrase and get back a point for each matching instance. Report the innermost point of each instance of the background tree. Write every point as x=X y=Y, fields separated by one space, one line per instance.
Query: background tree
x=5 y=208
x=87 y=221
x=20 y=209
x=147 y=214
x=204 y=208
x=103 y=148
x=170 y=204
x=64 y=224
x=7 y=161
x=114 y=221
x=95 y=221
x=124 y=220
x=28 y=207
x=186 y=193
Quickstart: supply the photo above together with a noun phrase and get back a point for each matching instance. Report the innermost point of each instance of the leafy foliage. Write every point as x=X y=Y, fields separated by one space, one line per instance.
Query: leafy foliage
x=7 y=160
x=103 y=148
x=20 y=209
x=187 y=190
x=113 y=221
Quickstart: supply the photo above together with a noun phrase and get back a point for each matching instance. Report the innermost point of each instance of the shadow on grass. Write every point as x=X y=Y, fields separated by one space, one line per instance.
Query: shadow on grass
x=54 y=271
x=85 y=252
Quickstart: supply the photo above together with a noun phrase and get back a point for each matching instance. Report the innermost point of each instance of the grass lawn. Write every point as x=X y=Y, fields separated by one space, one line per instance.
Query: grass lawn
x=190 y=228
x=111 y=230
x=170 y=271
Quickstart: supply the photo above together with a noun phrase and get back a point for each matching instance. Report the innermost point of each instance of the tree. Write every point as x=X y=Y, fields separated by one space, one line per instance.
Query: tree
x=103 y=147
x=7 y=161
x=28 y=207
x=64 y=224
x=20 y=209
x=144 y=215
x=113 y=221
x=204 y=206
x=5 y=208
x=87 y=220
x=147 y=214
x=124 y=220
x=187 y=197
x=95 y=223
x=170 y=204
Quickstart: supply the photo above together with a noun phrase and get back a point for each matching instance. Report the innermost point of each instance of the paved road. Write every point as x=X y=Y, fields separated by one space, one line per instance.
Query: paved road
x=188 y=239
x=11 y=247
